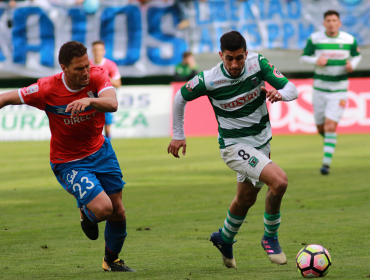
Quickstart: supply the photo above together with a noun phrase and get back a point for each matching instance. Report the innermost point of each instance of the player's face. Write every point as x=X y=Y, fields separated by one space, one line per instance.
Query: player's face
x=98 y=51
x=332 y=25
x=234 y=61
x=78 y=72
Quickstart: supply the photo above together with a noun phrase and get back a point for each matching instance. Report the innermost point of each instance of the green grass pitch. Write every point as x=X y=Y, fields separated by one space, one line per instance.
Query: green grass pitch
x=173 y=205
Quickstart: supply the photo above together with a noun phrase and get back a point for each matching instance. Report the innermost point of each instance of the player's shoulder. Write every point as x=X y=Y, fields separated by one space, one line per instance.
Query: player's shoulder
x=317 y=36
x=346 y=36
x=96 y=71
x=46 y=83
x=110 y=62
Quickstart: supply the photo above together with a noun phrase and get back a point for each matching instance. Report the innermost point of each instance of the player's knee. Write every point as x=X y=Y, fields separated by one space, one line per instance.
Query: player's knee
x=104 y=212
x=119 y=213
x=280 y=185
x=246 y=201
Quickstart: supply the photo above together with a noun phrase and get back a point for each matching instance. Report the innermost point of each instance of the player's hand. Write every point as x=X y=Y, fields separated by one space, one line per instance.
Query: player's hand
x=78 y=106
x=322 y=61
x=272 y=95
x=175 y=146
x=349 y=67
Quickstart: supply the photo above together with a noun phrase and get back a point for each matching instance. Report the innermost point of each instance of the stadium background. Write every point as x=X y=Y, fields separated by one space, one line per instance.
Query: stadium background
x=145 y=42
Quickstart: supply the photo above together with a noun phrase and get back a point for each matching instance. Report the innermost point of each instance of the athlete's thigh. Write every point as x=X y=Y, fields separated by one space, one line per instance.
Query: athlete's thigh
x=82 y=184
x=247 y=161
x=272 y=173
x=335 y=107
x=319 y=103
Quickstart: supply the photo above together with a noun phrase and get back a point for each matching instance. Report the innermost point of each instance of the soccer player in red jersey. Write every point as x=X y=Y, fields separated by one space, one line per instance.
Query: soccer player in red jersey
x=98 y=50
x=81 y=158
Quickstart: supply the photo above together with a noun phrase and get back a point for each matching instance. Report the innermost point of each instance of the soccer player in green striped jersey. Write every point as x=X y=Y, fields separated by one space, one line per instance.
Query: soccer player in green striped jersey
x=331 y=51
x=236 y=90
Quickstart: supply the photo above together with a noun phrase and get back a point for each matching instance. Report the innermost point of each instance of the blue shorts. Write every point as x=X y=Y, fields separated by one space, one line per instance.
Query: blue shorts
x=87 y=177
x=108 y=118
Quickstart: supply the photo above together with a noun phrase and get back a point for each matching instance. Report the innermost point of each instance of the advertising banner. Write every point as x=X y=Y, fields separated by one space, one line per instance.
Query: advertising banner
x=145 y=39
x=143 y=111
x=295 y=117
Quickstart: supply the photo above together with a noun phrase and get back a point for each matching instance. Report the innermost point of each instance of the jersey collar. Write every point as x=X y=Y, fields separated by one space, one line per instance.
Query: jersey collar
x=71 y=90
x=226 y=74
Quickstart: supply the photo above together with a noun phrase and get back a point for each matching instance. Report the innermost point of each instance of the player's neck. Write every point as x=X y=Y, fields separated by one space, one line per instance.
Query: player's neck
x=332 y=34
x=98 y=61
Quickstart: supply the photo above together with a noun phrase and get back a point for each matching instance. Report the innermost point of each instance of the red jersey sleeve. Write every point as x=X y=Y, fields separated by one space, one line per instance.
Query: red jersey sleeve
x=32 y=95
x=99 y=77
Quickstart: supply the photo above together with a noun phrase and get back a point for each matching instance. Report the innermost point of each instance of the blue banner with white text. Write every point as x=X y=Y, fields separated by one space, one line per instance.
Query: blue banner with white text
x=146 y=39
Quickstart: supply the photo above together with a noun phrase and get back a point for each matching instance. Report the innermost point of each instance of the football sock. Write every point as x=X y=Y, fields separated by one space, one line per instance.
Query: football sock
x=330 y=141
x=231 y=227
x=91 y=215
x=272 y=223
x=115 y=235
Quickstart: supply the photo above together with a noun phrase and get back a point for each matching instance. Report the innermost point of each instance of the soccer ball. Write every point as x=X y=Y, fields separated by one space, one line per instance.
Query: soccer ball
x=313 y=261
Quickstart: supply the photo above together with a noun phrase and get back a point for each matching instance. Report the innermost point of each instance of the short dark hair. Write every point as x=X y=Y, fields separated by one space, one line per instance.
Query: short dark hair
x=331 y=12
x=232 y=41
x=98 y=42
x=186 y=54
x=70 y=50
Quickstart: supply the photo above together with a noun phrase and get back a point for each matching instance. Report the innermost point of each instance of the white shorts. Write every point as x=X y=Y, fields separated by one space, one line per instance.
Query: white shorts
x=247 y=161
x=328 y=105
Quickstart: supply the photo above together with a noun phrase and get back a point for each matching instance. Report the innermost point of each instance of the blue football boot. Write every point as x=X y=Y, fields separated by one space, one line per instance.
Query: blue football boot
x=273 y=250
x=325 y=169
x=226 y=249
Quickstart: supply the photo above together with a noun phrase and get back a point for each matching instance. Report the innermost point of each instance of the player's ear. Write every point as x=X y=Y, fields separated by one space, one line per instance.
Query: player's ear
x=246 y=54
x=220 y=53
x=64 y=68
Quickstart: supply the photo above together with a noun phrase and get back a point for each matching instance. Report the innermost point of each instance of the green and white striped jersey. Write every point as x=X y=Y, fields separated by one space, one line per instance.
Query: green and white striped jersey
x=238 y=103
x=333 y=77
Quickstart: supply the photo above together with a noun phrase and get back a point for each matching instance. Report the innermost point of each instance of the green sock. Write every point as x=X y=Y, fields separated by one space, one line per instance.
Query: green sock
x=330 y=142
x=231 y=227
x=272 y=223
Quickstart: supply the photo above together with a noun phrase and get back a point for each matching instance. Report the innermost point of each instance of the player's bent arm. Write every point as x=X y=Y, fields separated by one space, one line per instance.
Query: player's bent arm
x=107 y=101
x=178 y=139
x=116 y=83
x=10 y=98
x=178 y=114
x=355 y=61
x=289 y=92
x=305 y=59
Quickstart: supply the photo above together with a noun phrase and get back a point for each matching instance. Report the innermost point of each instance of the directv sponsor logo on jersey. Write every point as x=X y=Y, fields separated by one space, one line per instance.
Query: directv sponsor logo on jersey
x=217 y=82
x=78 y=119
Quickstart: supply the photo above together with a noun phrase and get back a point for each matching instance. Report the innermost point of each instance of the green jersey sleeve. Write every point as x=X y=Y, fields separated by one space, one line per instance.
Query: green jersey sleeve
x=271 y=74
x=309 y=49
x=355 y=50
x=194 y=88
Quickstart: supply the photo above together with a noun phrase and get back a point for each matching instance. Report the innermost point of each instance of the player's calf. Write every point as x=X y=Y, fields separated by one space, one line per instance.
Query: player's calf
x=89 y=227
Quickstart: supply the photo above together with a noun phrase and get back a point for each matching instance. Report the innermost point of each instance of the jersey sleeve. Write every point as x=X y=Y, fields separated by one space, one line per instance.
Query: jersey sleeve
x=99 y=77
x=309 y=49
x=194 y=88
x=355 y=50
x=33 y=95
x=271 y=74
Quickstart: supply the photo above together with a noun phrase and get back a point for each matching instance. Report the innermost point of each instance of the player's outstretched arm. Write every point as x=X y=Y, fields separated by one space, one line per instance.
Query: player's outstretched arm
x=178 y=139
x=107 y=102
x=288 y=93
x=10 y=98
